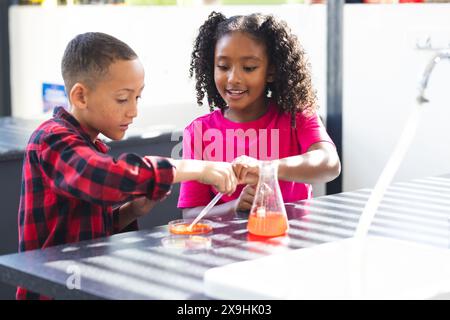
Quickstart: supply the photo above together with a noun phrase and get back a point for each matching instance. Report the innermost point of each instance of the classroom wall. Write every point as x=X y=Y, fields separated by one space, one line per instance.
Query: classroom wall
x=161 y=36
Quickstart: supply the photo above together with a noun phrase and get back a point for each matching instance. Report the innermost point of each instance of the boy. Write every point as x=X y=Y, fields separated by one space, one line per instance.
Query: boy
x=71 y=189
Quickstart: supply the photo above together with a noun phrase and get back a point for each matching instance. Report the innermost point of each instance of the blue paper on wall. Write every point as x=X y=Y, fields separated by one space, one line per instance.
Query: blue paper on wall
x=53 y=95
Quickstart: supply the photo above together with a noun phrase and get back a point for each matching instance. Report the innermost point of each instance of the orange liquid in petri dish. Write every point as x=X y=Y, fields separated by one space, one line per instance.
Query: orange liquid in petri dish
x=271 y=225
x=182 y=228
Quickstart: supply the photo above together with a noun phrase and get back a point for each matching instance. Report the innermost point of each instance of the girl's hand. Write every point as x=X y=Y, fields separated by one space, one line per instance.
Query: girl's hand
x=245 y=200
x=246 y=170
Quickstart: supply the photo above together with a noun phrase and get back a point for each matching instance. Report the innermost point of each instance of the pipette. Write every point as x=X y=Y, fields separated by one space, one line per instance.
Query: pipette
x=205 y=210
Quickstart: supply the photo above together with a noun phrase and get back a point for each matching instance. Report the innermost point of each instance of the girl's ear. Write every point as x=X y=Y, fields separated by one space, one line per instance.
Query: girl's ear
x=271 y=74
x=78 y=96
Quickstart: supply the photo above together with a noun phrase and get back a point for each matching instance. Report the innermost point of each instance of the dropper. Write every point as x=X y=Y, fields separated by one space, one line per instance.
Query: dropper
x=205 y=210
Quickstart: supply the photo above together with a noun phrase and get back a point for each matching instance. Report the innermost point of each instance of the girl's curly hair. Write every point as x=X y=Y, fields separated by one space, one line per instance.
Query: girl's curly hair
x=291 y=89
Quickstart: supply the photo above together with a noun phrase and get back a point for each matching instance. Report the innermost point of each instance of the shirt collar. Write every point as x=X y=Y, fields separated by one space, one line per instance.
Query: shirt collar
x=62 y=114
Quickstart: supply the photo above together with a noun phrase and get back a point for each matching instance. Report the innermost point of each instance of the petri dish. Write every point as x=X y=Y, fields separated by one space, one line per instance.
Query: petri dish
x=180 y=227
x=195 y=242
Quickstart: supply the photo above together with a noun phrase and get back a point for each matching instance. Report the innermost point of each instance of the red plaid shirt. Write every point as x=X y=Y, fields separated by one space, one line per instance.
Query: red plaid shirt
x=72 y=190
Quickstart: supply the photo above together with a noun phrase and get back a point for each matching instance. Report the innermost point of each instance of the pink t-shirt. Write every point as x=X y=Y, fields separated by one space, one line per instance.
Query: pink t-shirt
x=215 y=138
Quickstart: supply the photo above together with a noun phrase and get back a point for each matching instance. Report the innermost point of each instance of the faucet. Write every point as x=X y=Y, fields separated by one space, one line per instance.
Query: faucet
x=438 y=57
x=400 y=149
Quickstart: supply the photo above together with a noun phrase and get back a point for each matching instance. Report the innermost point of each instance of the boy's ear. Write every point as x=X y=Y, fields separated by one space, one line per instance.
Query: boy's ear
x=271 y=74
x=78 y=95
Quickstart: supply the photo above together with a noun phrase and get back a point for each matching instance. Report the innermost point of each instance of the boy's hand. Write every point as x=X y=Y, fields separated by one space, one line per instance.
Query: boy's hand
x=141 y=206
x=246 y=170
x=245 y=200
x=220 y=175
x=133 y=210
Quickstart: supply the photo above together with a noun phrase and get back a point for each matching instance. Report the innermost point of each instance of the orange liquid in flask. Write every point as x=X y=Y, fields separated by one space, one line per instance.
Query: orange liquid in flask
x=270 y=224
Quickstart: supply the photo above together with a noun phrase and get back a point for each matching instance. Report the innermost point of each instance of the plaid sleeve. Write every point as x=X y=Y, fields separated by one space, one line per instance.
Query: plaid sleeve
x=75 y=169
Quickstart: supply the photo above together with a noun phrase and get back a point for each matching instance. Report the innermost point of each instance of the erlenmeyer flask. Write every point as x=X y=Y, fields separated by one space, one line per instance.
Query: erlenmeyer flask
x=268 y=216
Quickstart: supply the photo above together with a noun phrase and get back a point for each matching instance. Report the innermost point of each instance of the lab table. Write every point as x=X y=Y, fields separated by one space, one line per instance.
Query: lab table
x=153 y=264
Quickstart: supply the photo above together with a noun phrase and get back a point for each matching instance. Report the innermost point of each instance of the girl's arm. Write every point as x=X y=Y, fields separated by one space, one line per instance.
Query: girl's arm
x=319 y=164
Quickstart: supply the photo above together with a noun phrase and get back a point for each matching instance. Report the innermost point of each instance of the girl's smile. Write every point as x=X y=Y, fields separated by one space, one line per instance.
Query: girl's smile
x=235 y=94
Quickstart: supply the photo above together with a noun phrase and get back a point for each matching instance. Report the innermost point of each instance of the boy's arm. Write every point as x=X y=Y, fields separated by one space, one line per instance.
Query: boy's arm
x=218 y=174
x=186 y=170
x=75 y=170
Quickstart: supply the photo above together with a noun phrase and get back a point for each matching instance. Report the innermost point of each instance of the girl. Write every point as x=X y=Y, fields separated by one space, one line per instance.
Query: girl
x=255 y=77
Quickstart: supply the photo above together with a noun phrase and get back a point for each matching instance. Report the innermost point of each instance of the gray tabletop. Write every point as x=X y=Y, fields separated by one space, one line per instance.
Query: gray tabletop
x=14 y=135
x=152 y=264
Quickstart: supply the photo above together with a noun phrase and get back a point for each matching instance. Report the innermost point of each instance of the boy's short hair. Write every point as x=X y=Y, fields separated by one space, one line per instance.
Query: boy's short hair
x=88 y=56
